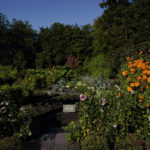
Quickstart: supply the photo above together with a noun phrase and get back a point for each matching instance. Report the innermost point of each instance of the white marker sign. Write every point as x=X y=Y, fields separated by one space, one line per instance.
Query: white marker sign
x=69 y=108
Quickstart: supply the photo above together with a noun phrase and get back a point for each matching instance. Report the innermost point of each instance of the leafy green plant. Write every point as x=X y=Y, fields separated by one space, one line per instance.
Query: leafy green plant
x=98 y=65
x=130 y=142
x=114 y=111
x=59 y=87
x=18 y=94
x=92 y=142
x=74 y=132
x=8 y=74
x=14 y=120
x=43 y=78
x=10 y=143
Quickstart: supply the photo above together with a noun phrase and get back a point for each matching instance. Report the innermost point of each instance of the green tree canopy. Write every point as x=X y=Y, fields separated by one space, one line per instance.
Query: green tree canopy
x=123 y=27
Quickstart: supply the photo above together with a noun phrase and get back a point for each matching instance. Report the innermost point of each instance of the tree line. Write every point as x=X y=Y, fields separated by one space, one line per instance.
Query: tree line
x=122 y=29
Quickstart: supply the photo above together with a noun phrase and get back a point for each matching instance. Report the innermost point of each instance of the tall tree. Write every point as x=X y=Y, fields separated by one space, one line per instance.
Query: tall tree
x=5 y=51
x=23 y=39
x=59 y=41
x=123 y=27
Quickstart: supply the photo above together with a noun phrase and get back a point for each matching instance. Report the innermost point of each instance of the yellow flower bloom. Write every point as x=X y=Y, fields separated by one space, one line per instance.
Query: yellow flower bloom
x=119 y=94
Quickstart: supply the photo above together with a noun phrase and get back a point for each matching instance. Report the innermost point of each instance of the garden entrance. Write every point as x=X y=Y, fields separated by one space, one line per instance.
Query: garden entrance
x=47 y=128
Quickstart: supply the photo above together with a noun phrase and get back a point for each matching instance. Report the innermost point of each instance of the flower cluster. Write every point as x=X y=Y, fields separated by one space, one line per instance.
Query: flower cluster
x=138 y=76
x=3 y=106
x=22 y=109
x=82 y=97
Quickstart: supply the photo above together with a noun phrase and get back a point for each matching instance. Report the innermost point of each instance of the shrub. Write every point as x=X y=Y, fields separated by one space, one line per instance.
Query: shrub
x=117 y=111
x=98 y=66
x=84 y=83
x=10 y=143
x=14 y=120
x=18 y=94
x=92 y=142
x=72 y=61
x=8 y=74
x=43 y=78
x=13 y=115
x=59 y=87
x=74 y=132
x=130 y=142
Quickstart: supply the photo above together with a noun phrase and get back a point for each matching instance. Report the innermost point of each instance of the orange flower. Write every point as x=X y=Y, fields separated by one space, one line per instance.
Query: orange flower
x=144 y=72
x=140 y=97
x=146 y=62
x=140 y=60
x=148 y=105
x=132 y=70
x=140 y=100
x=143 y=67
x=137 y=84
x=148 y=72
x=131 y=58
x=139 y=78
x=129 y=66
x=148 y=80
x=129 y=89
x=139 y=66
x=140 y=53
x=144 y=77
x=128 y=58
x=135 y=64
x=119 y=95
x=132 y=84
x=124 y=73
x=146 y=86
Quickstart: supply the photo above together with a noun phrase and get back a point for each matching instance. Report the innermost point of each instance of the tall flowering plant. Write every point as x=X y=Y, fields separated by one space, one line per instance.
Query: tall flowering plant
x=14 y=121
x=135 y=79
x=120 y=110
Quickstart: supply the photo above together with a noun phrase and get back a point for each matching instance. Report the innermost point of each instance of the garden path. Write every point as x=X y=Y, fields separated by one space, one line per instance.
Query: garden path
x=54 y=140
x=49 y=134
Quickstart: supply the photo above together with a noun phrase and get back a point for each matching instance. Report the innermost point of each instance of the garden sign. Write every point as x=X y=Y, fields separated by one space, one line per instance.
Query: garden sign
x=69 y=108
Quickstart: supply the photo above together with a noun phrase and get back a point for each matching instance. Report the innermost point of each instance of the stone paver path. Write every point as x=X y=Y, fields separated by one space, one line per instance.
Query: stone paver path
x=54 y=140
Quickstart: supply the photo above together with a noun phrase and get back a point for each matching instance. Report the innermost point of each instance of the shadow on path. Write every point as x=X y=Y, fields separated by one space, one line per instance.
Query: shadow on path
x=48 y=133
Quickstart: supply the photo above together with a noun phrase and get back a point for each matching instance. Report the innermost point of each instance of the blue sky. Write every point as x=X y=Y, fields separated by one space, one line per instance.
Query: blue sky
x=45 y=12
